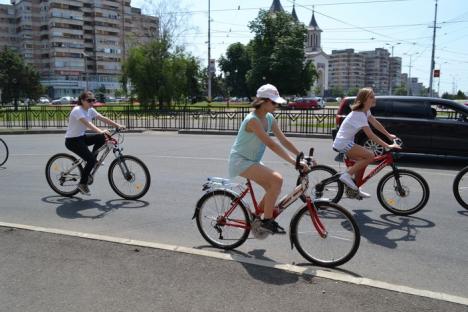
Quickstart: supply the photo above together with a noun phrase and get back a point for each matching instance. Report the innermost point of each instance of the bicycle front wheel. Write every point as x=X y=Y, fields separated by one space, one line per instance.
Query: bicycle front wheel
x=129 y=177
x=403 y=192
x=332 y=191
x=63 y=175
x=220 y=229
x=342 y=237
x=460 y=187
x=3 y=152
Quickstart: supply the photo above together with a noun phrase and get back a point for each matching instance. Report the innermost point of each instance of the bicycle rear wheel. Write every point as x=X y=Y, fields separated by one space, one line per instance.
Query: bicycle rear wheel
x=3 y=152
x=217 y=228
x=129 y=177
x=332 y=191
x=60 y=175
x=340 y=243
x=404 y=195
x=460 y=187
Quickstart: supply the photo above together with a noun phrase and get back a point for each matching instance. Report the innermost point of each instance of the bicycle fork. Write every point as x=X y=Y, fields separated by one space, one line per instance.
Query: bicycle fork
x=398 y=187
x=319 y=227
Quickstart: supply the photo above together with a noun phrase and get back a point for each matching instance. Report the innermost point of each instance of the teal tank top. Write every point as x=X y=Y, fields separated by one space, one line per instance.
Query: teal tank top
x=247 y=144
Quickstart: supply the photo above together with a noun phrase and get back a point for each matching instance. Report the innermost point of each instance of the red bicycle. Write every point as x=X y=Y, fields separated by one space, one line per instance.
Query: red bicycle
x=401 y=191
x=324 y=233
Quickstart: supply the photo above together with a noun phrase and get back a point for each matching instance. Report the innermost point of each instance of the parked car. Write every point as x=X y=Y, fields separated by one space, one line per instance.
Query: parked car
x=426 y=125
x=321 y=102
x=63 y=100
x=304 y=103
x=43 y=101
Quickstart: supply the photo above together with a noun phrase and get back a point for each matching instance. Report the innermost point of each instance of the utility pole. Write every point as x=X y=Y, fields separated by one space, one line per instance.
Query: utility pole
x=209 y=54
x=433 y=50
x=409 y=84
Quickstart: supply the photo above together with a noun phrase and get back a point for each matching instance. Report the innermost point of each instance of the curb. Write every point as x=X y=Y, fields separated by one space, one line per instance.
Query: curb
x=232 y=132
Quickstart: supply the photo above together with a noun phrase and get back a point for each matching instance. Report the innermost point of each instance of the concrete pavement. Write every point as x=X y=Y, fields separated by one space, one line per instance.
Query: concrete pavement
x=45 y=271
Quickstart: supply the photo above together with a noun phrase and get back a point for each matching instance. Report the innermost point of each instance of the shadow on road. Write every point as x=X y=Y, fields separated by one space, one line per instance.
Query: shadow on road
x=463 y=212
x=390 y=229
x=73 y=207
x=264 y=274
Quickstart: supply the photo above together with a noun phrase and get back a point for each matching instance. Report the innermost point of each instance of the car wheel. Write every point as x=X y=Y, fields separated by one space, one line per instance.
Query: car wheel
x=373 y=147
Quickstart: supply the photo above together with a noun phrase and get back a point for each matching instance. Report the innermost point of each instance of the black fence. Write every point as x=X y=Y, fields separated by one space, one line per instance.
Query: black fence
x=225 y=119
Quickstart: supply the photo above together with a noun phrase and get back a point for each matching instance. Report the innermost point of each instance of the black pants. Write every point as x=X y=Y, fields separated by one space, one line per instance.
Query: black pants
x=79 y=146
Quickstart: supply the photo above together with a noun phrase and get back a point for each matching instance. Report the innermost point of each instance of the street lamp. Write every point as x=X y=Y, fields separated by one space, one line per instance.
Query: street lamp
x=409 y=84
x=85 y=56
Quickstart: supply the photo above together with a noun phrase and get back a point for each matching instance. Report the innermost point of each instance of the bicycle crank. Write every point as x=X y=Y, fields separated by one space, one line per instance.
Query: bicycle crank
x=257 y=231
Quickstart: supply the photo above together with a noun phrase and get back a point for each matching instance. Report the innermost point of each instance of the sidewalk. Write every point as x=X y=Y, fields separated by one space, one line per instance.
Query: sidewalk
x=49 y=272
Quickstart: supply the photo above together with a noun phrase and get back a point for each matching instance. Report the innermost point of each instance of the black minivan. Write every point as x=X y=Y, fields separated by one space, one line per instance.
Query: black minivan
x=426 y=125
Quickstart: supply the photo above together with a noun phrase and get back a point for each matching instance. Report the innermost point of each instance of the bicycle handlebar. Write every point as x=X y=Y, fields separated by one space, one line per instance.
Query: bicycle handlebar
x=396 y=141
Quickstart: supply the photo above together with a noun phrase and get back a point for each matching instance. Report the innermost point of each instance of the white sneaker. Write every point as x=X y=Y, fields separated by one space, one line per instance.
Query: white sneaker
x=363 y=194
x=346 y=179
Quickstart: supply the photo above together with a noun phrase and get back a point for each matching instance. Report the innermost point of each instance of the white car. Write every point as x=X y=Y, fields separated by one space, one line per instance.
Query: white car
x=43 y=100
x=321 y=102
x=63 y=100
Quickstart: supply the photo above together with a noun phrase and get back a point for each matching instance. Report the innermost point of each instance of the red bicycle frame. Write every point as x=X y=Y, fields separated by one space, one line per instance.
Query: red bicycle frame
x=284 y=203
x=385 y=160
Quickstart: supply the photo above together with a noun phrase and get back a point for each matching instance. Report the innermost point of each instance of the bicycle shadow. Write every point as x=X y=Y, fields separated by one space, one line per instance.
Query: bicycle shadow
x=463 y=212
x=390 y=229
x=74 y=207
x=265 y=274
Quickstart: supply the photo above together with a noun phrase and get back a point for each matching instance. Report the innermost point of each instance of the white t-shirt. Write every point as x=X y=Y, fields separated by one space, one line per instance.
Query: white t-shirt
x=75 y=127
x=354 y=122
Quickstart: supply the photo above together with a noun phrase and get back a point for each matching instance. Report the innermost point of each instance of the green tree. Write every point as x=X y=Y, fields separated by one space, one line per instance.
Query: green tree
x=18 y=79
x=353 y=91
x=401 y=90
x=235 y=67
x=460 y=95
x=159 y=75
x=277 y=54
x=337 y=92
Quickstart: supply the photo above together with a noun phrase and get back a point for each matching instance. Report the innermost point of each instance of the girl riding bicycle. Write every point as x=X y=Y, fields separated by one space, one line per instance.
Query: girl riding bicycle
x=249 y=147
x=77 y=141
x=358 y=119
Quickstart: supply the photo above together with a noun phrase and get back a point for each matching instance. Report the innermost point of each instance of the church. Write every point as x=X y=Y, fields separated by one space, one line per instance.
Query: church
x=312 y=49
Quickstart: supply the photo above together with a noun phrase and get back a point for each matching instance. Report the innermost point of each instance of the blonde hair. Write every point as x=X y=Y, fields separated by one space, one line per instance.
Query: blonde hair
x=361 y=98
x=258 y=102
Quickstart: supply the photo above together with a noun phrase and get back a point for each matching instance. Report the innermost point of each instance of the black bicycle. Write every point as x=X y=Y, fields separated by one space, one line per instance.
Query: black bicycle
x=3 y=152
x=460 y=187
x=128 y=176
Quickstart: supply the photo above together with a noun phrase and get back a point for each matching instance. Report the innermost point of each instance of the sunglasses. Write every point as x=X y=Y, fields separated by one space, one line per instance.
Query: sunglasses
x=90 y=100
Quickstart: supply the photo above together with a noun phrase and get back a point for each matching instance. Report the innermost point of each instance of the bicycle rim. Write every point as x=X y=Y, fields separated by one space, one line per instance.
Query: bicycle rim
x=332 y=191
x=409 y=199
x=137 y=181
x=60 y=179
x=3 y=152
x=460 y=188
x=216 y=227
x=342 y=239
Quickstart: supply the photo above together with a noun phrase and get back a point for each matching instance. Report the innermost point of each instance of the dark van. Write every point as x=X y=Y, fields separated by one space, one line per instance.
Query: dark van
x=426 y=125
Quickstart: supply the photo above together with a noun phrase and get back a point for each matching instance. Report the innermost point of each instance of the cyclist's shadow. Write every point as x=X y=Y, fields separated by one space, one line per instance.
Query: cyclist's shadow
x=463 y=212
x=74 y=207
x=391 y=229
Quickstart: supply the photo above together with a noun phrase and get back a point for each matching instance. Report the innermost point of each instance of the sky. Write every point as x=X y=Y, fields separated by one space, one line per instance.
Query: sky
x=405 y=25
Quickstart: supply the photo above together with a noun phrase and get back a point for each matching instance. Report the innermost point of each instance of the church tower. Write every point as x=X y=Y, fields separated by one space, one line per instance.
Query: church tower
x=313 y=43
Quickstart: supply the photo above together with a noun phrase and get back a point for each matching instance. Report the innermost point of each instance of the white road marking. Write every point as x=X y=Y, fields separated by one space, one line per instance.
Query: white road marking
x=329 y=274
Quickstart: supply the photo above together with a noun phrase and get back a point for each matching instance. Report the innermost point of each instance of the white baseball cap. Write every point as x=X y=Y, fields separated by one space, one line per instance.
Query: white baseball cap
x=269 y=91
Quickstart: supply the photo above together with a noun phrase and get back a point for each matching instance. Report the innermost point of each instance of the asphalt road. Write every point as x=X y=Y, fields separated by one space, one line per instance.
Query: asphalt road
x=425 y=251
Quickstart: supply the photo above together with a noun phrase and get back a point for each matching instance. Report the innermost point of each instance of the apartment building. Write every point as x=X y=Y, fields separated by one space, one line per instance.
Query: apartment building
x=7 y=26
x=79 y=44
x=375 y=69
x=346 y=70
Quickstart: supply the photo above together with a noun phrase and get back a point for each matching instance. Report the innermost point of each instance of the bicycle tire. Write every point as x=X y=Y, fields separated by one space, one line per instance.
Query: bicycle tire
x=4 y=153
x=461 y=178
x=405 y=177
x=129 y=182
x=54 y=165
x=333 y=191
x=221 y=201
x=342 y=233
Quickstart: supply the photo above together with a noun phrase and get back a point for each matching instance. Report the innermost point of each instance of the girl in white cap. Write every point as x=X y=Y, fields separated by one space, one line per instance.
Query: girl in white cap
x=249 y=147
